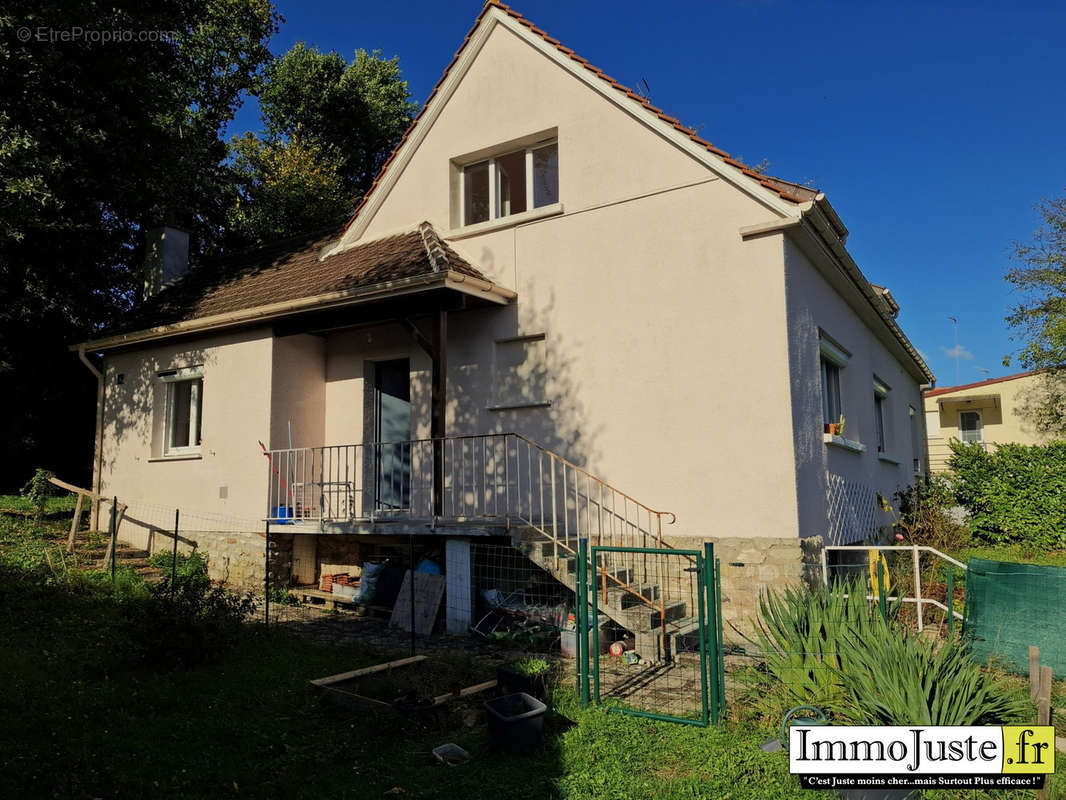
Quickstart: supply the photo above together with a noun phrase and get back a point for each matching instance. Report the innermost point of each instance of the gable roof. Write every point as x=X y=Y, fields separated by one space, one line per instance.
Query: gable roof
x=978 y=385
x=288 y=274
x=788 y=191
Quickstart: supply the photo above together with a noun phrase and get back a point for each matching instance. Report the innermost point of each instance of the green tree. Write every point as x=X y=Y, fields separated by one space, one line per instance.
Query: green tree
x=98 y=140
x=1039 y=319
x=328 y=126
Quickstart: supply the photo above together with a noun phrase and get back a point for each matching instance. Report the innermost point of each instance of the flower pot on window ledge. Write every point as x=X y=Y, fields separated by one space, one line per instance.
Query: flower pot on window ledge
x=832 y=428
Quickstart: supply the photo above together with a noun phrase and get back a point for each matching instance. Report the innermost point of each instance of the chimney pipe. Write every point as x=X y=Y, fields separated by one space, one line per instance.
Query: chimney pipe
x=166 y=258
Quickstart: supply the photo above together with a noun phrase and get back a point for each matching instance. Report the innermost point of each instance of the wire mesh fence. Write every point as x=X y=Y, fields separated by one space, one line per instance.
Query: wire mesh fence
x=653 y=635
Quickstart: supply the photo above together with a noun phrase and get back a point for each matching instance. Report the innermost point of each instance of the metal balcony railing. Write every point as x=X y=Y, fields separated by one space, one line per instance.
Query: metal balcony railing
x=499 y=478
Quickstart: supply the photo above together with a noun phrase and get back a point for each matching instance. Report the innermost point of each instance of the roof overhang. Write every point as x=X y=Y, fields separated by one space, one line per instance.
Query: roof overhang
x=969 y=399
x=449 y=280
x=819 y=230
x=496 y=14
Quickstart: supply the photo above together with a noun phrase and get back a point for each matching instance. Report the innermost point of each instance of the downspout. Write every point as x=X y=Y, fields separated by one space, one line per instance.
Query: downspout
x=98 y=456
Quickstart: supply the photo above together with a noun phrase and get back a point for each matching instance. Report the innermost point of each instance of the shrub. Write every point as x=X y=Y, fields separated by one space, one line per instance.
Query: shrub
x=188 y=623
x=529 y=666
x=800 y=631
x=281 y=596
x=925 y=517
x=831 y=648
x=902 y=680
x=1015 y=494
x=189 y=565
x=37 y=491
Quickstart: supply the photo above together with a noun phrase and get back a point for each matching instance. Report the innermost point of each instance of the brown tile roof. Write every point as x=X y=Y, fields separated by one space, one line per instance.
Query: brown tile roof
x=787 y=190
x=290 y=269
x=978 y=385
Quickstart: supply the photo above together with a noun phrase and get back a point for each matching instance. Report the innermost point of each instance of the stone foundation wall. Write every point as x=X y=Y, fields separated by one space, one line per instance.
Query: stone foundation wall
x=237 y=559
x=750 y=565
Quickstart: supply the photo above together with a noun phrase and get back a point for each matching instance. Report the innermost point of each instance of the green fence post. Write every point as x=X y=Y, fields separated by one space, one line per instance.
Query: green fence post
x=710 y=707
x=114 y=534
x=174 y=557
x=581 y=634
x=710 y=631
x=577 y=618
x=595 y=630
x=951 y=604
x=720 y=646
x=882 y=601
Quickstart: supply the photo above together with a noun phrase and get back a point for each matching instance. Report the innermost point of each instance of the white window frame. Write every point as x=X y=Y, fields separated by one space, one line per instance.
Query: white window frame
x=494 y=184
x=169 y=379
x=980 y=425
x=832 y=354
x=881 y=390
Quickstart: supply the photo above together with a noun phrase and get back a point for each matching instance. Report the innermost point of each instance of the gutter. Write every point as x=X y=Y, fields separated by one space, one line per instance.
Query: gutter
x=816 y=221
x=819 y=220
x=450 y=279
x=98 y=447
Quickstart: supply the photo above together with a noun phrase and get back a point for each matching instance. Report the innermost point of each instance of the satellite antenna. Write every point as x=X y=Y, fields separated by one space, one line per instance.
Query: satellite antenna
x=955 y=324
x=644 y=90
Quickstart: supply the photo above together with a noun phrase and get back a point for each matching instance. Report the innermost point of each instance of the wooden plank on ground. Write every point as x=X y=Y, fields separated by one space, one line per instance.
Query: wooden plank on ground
x=479 y=687
x=428 y=592
x=358 y=673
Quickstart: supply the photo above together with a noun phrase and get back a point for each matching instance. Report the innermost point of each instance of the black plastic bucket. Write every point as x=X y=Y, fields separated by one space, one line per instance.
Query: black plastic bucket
x=516 y=722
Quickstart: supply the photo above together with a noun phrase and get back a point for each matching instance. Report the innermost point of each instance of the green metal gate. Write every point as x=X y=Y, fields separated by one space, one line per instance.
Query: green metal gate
x=665 y=606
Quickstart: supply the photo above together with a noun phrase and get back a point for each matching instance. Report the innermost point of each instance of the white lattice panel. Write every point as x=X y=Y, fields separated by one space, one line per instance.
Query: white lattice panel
x=852 y=510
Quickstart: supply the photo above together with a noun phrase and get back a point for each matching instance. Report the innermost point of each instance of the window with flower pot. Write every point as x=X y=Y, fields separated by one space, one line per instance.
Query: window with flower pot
x=833 y=359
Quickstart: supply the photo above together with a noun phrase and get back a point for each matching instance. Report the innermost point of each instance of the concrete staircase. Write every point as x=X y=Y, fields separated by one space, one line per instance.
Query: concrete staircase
x=639 y=606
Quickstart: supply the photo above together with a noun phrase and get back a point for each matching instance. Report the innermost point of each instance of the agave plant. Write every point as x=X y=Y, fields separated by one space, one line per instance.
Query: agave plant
x=902 y=680
x=830 y=647
x=800 y=632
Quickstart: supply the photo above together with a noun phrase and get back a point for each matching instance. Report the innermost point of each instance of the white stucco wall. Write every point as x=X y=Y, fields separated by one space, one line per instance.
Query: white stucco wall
x=665 y=333
x=681 y=358
x=237 y=371
x=298 y=391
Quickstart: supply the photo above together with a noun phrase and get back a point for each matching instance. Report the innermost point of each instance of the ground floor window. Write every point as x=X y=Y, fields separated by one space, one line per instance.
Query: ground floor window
x=184 y=406
x=970 y=426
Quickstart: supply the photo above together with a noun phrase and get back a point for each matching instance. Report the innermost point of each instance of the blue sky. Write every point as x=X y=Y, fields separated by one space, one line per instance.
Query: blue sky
x=933 y=127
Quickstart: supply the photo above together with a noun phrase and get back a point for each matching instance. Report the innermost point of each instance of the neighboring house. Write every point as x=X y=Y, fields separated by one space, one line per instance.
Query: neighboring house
x=548 y=255
x=988 y=412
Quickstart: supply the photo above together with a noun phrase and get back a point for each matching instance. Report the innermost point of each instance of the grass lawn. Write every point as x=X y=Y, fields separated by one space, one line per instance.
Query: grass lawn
x=1018 y=553
x=83 y=719
x=60 y=504
x=81 y=723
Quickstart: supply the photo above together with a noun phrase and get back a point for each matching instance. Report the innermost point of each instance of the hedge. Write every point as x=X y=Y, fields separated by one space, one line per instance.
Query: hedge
x=1015 y=493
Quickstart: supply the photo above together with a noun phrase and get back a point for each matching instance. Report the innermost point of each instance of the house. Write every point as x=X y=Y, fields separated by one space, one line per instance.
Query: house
x=558 y=313
x=987 y=412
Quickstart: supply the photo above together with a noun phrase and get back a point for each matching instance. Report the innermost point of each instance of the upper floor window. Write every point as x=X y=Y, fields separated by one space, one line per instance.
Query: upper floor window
x=833 y=359
x=511 y=183
x=831 y=407
x=184 y=402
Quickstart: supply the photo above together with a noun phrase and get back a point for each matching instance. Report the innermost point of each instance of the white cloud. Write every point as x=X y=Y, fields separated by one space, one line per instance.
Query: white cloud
x=958 y=351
